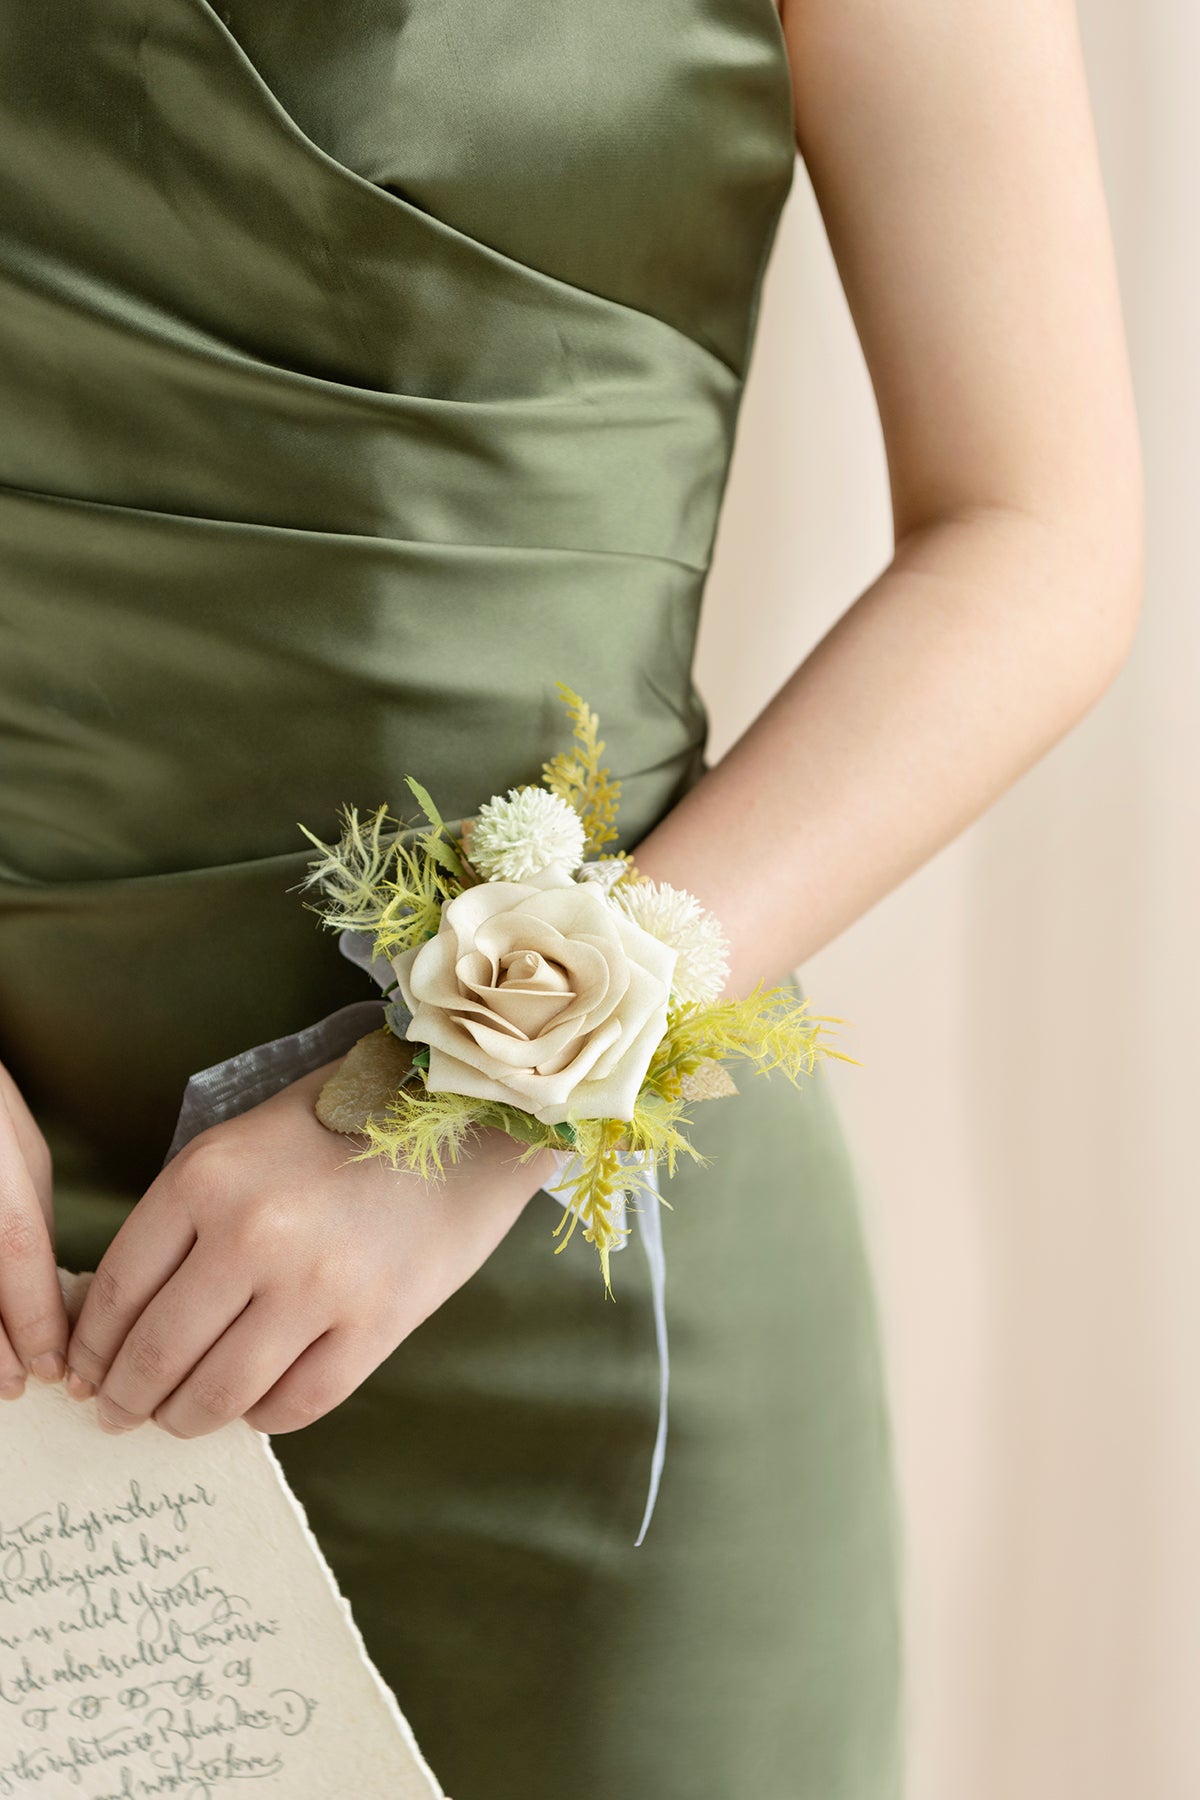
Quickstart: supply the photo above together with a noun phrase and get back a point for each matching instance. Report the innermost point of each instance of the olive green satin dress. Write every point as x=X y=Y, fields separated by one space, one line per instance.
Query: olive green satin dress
x=365 y=367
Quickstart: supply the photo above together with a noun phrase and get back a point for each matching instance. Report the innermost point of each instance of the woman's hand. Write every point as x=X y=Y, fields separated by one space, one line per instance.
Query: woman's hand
x=33 y=1319
x=264 y=1276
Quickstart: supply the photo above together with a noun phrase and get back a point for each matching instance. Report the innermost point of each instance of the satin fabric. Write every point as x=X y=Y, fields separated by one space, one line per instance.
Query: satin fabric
x=365 y=369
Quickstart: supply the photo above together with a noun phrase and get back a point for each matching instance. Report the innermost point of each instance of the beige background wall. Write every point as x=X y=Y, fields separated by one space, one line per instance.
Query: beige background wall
x=1031 y=1182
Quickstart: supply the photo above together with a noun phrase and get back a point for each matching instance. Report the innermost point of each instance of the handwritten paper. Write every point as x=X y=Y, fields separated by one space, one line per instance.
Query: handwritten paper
x=169 y=1626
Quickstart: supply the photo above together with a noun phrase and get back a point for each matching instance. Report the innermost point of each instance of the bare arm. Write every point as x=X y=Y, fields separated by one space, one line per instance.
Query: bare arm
x=952 y=155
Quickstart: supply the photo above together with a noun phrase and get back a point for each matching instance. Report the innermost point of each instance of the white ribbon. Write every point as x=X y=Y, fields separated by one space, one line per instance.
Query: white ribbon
x=649 y=1215
x=244 y=1080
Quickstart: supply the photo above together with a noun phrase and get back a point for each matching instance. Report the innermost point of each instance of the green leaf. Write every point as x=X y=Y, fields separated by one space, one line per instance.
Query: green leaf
x=444 y=854
x=520 y=1125
x=421 y=795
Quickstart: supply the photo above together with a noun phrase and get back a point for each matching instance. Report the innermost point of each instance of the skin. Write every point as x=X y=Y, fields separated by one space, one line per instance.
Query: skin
x=952 y=155
x=33 y=1320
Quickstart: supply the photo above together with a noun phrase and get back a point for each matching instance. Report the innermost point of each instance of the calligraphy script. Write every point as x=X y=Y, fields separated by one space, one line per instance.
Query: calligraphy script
x=168 y=1625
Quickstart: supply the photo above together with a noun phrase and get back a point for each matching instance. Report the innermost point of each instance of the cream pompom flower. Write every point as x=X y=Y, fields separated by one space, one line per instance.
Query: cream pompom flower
x=519 y=835
x=677 y=918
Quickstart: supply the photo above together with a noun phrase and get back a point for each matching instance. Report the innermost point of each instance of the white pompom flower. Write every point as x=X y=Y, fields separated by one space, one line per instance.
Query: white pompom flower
x=677 y=918
x=519 y=835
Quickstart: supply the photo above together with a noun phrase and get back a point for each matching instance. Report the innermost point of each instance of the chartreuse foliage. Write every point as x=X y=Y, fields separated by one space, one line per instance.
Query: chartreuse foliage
x=578 y=777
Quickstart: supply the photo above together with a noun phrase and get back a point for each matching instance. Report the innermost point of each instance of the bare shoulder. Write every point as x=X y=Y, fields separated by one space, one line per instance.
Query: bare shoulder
x=953 y=157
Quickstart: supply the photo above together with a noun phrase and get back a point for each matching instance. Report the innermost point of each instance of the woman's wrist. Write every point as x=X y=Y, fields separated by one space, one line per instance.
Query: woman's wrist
x=498 y=1156
x=489 y=1154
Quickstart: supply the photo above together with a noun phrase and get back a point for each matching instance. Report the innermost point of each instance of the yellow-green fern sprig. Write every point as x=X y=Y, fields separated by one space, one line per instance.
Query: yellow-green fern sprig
x=772 y=1028
x=596 y=1191
x=411 y=900
x=657 y=1126
x=424 y=1131
x=579 y=778
x=421 y=1132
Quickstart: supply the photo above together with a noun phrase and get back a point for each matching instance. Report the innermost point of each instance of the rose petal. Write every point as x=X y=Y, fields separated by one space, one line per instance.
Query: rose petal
x=528 y=1011
x=475 y=970
x=645 y=949
x=471 y=1071
x=466 y=912
x=429 y=978
x=514 y=930
x=532 y=972
x=554 y=875
x=448 y=1074
x=511 y=1051
x=575 y=909
x=598 y=977
x=646 y=1004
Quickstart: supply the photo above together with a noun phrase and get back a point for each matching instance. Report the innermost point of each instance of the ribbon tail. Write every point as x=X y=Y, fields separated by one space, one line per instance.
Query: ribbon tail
x=649 y=1214
x=650 y=1231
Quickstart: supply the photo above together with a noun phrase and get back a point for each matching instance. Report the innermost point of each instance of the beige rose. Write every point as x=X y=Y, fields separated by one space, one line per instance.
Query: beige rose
x=540 y=994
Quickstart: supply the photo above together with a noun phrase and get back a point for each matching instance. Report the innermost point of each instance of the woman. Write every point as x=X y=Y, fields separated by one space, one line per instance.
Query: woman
x=367 y=370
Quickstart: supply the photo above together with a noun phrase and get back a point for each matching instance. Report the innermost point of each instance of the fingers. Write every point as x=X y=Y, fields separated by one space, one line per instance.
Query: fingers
x=75 y=1289
x=176 y=1331
x=248 y=1361
x=320 y=1379
x=147 y=1250
x=33 y=1318
x=32 y=1146
x=12 y=1370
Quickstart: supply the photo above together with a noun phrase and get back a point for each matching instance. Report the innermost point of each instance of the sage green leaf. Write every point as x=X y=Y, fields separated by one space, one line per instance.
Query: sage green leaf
x=522 y=1126
x=442 y=852
x=424 y=801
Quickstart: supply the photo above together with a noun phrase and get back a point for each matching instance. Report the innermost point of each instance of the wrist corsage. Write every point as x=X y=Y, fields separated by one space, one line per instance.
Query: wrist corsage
x=536 y=982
